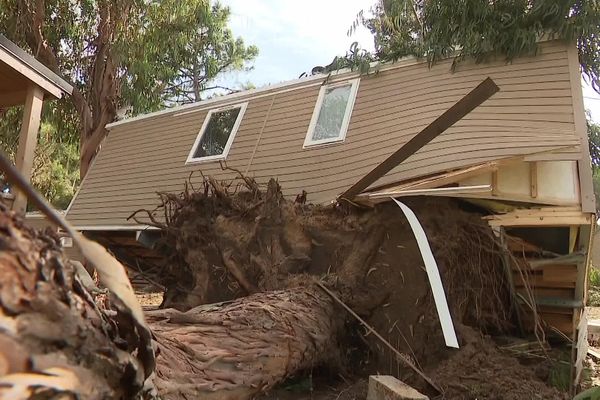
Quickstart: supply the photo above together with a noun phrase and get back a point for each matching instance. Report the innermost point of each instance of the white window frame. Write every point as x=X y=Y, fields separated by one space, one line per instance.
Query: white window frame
x=193 y=160
x=308 y=141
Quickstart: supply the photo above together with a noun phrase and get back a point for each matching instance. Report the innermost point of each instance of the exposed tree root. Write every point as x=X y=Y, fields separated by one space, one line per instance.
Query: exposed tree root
x=225 y=240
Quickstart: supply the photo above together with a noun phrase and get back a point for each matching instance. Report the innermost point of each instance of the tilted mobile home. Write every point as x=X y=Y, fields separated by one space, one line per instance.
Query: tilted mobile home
x=523 y=154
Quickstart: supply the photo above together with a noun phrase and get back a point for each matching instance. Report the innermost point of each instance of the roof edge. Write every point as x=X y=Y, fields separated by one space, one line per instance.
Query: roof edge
x=35 y=65
x=293 y=84
x=138 y=227
x=344 y=73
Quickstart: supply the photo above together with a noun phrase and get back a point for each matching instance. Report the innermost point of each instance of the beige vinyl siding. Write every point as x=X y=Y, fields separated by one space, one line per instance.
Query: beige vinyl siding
x=532 y=113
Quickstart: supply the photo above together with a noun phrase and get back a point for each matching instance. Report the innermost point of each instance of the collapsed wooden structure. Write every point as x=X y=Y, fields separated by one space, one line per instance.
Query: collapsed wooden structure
x=522 y=156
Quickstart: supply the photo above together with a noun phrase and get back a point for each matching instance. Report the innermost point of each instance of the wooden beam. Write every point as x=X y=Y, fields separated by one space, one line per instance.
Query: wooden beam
x=464 y=106
x=532 y=221
x=533 y=179
x=444 y=178
x=495 y=182
x=28 y=140
x=444 y=191
x=33 y=76
x=573 y=233
x=12 y=98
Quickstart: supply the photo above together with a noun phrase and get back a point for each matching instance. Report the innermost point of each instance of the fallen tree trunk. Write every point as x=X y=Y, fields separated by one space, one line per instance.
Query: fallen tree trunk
x=237 y=349
x=242 y=347
x=54 y=339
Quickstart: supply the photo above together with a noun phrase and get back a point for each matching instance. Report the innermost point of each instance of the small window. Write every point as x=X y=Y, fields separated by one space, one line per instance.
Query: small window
x=331 y=117
x=217 y=133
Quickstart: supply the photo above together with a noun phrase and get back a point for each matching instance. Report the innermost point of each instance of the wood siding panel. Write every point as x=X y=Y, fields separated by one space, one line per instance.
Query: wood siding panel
x=532 y=113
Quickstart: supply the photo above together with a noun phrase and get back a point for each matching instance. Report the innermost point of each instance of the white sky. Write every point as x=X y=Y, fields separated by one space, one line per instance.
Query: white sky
x=294 y=36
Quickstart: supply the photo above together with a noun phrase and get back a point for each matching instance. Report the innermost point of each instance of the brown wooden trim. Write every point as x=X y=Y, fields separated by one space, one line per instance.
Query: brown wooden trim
x=533 y=179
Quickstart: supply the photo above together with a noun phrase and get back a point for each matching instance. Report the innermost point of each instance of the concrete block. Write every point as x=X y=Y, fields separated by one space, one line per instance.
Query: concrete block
x=593 y=327
x=386 y=387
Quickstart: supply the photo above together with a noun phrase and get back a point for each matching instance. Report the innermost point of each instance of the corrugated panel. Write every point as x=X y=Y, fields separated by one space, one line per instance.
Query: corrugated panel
x=532 y=113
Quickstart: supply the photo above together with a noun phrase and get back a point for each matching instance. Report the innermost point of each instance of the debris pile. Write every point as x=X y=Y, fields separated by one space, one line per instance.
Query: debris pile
x=224 y=241
x=279 y=271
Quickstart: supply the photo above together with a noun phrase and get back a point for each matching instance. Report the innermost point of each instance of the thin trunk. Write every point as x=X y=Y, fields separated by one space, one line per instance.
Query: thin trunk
x=196 y=83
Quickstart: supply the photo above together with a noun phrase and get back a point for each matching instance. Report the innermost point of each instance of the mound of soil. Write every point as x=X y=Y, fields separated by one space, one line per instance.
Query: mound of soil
x=480 y=371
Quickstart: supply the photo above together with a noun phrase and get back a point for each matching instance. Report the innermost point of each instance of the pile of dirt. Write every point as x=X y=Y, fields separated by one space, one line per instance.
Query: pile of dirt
x=480 y=371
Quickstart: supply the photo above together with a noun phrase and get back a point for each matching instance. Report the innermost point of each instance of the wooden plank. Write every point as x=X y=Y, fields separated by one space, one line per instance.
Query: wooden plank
x=444 y=178
x=562 y=293
x=495 y=183
x=562 y=322
x=582 y=349
x=561 y=310
x=573 y=232
x=518 y=245
x=537 y=280
x=32 y=75
x=545 y=211
x=554 y=304
x=533 y=179
x=456 y=191
x=594 y=353
x=454 y=114
x=582 y=219
x=28 y=140
x=573 y=258
x=560 y=274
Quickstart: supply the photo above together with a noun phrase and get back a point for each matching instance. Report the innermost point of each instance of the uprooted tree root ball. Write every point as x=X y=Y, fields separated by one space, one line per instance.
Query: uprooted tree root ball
x=226 y=240
x=57 y=342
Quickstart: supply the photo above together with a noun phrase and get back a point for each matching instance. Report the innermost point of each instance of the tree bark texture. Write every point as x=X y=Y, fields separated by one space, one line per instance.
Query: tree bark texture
x=96 y=106
x=53 y=337
x=237 y=349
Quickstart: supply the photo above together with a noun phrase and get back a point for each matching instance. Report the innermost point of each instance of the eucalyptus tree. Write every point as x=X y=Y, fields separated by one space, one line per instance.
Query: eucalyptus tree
x=124 y=57
x=435 y=29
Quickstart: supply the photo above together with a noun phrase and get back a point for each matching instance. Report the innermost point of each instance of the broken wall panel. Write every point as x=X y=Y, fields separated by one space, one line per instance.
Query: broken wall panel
x=556 y=182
